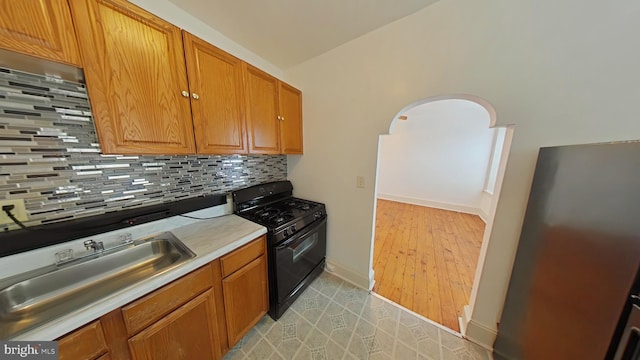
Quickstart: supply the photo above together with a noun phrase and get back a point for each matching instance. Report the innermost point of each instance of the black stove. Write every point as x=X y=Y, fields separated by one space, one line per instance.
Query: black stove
x=296 y=235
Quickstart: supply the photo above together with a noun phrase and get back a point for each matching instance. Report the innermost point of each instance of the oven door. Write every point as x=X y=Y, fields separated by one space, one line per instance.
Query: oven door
x=296 y=256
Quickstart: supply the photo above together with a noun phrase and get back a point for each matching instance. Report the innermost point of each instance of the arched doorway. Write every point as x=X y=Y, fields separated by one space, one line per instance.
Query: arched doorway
x=437 y=184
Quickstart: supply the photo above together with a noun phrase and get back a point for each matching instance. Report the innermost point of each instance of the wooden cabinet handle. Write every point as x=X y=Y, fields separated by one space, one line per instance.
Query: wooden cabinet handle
x=195 y=96
x=185 y=93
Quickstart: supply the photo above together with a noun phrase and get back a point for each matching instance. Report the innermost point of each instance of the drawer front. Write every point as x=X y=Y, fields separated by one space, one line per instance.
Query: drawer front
x=149 y=309
x=86 y=343
x=232 y=262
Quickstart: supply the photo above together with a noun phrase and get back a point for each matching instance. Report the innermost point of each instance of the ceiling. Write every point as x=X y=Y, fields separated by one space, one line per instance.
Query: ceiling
x=288 y=32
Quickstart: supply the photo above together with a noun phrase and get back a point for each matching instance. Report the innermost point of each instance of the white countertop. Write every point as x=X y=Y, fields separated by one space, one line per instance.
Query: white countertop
x=208 y=239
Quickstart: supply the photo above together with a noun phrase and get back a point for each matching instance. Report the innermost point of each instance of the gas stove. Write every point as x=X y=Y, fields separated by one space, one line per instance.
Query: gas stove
x=296 y=238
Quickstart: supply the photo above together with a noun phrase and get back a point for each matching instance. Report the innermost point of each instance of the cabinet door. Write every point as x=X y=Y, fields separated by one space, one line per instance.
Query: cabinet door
x=217 y=104
x=189 y=332
x=245 y=298
x=291 y=119
x=41 y=28
x=135 y=73
x=262 y=111
x=88 y=342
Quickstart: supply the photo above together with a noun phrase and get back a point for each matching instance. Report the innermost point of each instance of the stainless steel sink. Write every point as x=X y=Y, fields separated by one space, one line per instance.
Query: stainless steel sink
x=34 y=298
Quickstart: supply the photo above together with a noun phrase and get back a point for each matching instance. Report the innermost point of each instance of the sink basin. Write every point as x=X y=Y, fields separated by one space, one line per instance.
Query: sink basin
x=34 y=298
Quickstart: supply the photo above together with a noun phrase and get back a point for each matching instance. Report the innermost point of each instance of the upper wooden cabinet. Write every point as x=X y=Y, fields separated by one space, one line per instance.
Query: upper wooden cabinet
x=157 y=90
x=290 y=119
x=136 y=78
x=217 y=99
x=274 y=114
x=41 y=28
x=262 y=111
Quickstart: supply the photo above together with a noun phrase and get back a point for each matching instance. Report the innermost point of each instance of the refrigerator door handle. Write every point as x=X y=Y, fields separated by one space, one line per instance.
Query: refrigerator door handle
x=629 y=347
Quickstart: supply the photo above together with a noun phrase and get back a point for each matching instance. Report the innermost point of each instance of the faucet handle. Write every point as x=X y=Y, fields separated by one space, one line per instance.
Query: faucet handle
x=96 y=246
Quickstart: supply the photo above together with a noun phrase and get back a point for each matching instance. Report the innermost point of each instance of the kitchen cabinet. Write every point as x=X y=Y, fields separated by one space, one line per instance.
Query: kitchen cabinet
x=88 y=342
x=290 y=102
x=244 y=288
x=183 y=311
x=41 y=28
x=157 y=90
x=217 y=104
x=186 y=333
x=274 y=114
x=262 y=111
x=136 y=78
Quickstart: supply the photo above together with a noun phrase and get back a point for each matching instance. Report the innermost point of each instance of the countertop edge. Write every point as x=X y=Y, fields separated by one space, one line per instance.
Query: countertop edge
x=67 y=323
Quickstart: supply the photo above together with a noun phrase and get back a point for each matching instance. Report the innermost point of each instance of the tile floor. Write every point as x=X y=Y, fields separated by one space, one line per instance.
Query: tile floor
x=333 y=319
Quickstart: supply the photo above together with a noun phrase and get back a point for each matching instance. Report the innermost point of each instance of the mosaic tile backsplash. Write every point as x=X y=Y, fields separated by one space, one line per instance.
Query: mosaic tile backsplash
x=50 y=157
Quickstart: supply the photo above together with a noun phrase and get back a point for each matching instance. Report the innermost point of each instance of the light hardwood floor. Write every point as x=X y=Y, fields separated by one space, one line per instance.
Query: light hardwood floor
x=425 y=258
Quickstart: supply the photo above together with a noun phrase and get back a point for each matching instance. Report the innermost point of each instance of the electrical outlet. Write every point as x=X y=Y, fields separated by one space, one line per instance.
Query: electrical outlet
x=360 y=182
x=19 y=211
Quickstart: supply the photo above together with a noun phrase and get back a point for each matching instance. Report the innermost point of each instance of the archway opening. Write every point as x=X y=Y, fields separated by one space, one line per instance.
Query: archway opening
x=439 y=175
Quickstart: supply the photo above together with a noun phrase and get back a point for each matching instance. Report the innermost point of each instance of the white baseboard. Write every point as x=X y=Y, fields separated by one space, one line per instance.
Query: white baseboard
x=430 y=203
x=480 y=334
x=349 y=275
x=464 y=319
x=483 y=215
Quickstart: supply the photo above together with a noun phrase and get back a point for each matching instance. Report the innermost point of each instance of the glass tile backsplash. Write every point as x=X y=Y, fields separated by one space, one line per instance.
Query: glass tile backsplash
x=50 y=157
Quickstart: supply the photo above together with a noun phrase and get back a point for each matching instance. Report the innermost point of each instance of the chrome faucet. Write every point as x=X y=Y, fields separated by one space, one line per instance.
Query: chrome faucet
x=96 y=246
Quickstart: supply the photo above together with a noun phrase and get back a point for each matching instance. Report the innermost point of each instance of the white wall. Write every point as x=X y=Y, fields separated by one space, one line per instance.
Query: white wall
x=180 y=18
x=564 y=72
x=439 y=157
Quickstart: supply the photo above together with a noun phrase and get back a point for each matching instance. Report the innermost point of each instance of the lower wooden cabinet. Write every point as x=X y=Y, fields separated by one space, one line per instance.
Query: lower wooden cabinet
x=199 y=316
x=190 y=332
x=245 y=298
x=88 y=342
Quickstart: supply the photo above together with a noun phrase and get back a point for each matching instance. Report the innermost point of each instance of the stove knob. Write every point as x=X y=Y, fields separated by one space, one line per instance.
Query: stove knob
x=293 y=229
x=285 y=233
x=317 y=215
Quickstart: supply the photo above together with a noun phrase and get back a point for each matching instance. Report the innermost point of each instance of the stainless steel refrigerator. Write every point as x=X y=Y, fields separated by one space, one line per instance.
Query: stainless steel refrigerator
x=574 y=280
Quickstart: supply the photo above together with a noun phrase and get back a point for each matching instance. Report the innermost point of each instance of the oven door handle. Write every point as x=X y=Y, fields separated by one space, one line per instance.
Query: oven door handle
x=301 y=235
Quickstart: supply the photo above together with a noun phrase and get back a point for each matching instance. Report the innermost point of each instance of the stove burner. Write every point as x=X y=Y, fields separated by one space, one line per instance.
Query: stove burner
x=267 y=213
x=280 y=218
x=299 y=205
